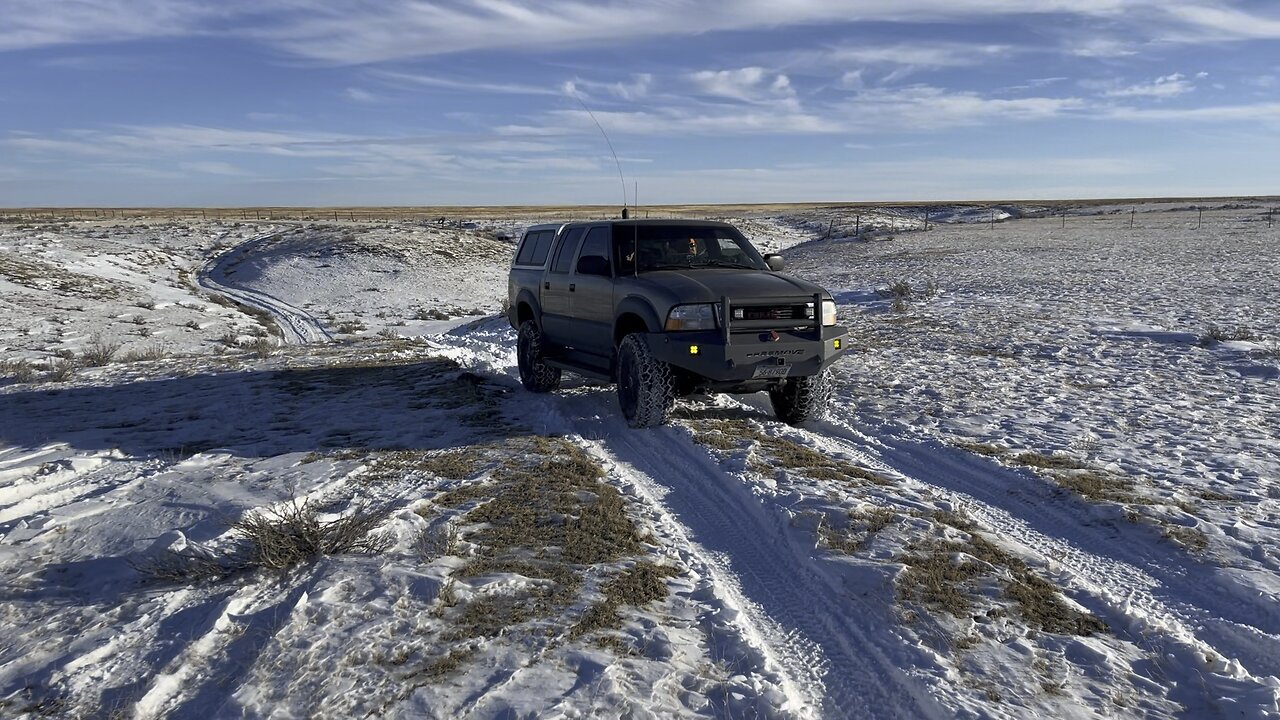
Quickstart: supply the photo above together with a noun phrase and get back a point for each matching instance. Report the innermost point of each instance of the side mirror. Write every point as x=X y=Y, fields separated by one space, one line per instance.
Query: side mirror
x=593 y=265
x=774 y=262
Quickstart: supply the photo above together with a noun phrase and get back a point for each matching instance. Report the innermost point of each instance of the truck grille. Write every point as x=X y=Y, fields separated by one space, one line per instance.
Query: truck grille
x=772 y=312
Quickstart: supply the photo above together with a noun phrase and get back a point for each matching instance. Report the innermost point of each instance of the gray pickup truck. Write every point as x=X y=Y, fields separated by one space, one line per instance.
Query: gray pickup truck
x=667 y=308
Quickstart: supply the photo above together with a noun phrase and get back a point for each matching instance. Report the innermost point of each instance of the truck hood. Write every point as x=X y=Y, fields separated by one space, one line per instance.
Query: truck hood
x=711 y=284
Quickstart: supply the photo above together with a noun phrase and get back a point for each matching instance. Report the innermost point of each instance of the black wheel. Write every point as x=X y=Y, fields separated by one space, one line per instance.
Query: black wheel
x=646 y=390
x=535 y=374
x=797 y=400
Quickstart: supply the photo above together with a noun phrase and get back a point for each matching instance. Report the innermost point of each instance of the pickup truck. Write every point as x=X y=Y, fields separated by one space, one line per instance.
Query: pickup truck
x=667 y=308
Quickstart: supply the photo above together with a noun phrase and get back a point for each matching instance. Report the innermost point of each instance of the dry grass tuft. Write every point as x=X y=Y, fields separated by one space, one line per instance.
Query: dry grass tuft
x=863 y=525
x=61 y=369
x=794 y=456
x=543 y=514
x=642 y=584
x=154 y=351
x=99 y=352
x=1216 y=334
x=1034 y=459
x=1097 y=486
x=19 y=371
x=1190 y=538
x=274 y=538
x=940 y=574
x=981 y=448
x=450 y=663
x=437 y=542
x=729 y=434
x=454 y=464
x=293 y=533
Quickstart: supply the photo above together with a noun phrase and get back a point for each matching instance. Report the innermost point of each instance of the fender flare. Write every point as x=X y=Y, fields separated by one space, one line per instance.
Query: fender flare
x=634 y=305
x=526 y=297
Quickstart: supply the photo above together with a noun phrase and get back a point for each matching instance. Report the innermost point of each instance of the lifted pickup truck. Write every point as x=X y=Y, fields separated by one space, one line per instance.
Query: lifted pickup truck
x=666 y=308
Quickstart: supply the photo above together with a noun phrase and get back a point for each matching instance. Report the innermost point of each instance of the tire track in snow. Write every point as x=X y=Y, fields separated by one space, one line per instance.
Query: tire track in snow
x=297 y=326
x=832 y=649
x=1126 y=589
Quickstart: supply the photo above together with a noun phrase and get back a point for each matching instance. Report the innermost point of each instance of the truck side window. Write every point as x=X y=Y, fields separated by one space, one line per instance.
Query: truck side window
x=596 y=246
x=534 y=249
x=525 y=254
x=568 y=248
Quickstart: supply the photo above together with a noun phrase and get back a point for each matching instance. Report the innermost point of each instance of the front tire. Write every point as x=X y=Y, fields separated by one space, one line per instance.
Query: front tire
x=646 y=388
x=798 y=400
x=535 y=374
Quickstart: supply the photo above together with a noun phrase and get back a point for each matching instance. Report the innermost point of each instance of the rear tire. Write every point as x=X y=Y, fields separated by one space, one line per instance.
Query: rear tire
x=798 y=400
x=646 y=388
x=535 y=374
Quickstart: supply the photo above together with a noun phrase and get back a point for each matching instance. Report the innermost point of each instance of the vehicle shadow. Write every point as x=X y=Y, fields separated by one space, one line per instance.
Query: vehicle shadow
x=426 y=404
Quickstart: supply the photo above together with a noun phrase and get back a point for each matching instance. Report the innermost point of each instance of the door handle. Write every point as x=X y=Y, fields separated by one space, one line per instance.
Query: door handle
x=571 y=286
x=546 y=285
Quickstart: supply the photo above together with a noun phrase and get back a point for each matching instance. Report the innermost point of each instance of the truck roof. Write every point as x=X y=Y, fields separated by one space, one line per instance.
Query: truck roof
x=655 y=221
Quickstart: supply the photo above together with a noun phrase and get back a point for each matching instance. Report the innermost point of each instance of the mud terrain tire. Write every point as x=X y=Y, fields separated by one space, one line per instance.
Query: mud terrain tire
x=801 y=399
x=535 y=374
x=646 y=390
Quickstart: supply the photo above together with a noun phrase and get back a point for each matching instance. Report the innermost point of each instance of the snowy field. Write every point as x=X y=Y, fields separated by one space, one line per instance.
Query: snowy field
x=287 y=470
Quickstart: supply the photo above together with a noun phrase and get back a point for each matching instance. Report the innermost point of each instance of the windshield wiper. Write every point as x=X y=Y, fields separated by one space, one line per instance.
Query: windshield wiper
x=716 y=262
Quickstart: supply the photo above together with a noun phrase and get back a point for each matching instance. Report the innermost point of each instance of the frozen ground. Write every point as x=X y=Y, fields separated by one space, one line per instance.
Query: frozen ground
x=1048 y=484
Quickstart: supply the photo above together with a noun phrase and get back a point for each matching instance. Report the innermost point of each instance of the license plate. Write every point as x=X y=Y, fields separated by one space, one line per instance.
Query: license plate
x=771 y=371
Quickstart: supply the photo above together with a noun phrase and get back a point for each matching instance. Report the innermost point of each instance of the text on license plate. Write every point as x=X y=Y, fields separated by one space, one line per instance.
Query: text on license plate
x=770 y=371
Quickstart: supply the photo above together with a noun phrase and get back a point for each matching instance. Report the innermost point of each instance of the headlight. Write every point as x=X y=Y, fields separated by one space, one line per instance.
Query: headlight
x=828 y=312
x=692 y=317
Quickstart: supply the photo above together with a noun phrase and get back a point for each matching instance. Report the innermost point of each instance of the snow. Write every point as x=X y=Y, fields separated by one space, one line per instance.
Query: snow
x=1017 y=339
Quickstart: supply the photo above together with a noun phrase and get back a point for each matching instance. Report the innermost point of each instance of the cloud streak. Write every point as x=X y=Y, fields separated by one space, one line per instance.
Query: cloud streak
x=370 y=31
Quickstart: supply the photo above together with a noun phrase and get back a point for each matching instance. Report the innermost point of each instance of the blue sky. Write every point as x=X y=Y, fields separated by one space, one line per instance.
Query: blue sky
x=428 y=102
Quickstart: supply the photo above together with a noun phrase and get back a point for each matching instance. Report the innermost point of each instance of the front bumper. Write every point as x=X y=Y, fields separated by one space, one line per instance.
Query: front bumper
x=750 y=356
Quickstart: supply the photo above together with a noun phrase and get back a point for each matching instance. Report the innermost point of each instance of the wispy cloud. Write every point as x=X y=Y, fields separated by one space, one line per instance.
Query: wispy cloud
x=1101 y=47
x=923 y=107
x=1162 y=87
x=366 y=31
x=185 y=151
x=1219 y=21
x=636 y=88
x=749 y=84
x=461 y=84
x=360 y=95
x=1254 y=113
x=920 y=55
x=213 y=167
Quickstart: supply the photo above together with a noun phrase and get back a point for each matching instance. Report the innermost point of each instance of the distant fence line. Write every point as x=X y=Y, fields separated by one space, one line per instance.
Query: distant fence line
x=308 y=214
x=842 y=226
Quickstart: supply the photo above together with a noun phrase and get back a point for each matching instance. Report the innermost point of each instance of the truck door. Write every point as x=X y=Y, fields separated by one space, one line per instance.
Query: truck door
x=591 y=294
x=554 y=291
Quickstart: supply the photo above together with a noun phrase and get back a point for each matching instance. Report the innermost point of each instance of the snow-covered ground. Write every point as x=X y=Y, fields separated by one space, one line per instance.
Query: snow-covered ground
x=1047 y=486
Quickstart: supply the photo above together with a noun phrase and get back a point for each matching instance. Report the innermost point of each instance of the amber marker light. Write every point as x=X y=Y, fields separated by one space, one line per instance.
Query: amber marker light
x=836 y=343
x=693 y=349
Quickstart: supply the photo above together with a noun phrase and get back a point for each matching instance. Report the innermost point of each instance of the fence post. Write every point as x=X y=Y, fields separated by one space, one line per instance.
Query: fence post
x=1064 y=219
x=1269 y=214
x=1132 y=212
x=830 y=225
x=857 y=225
x=1199 y=217
x=926 y=218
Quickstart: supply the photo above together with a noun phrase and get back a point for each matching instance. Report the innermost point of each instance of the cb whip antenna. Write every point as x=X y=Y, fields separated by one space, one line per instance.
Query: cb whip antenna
x=592 y=115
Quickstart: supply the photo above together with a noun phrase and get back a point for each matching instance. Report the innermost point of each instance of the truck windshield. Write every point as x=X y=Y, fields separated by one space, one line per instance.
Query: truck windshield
x=644 y=248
